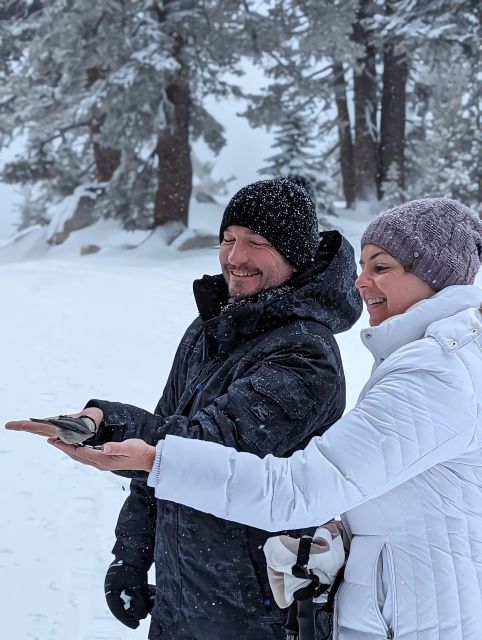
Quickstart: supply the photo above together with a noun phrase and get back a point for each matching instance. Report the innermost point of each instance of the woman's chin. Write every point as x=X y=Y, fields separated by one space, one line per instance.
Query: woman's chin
x=377 y=316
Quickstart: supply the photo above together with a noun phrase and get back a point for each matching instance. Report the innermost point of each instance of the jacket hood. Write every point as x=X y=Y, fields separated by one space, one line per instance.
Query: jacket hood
x=325 y=293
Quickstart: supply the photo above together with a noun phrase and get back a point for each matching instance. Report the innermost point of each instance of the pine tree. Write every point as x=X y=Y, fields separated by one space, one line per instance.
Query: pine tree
x=360 y=66
x=443 y=141
x=112 y=98
x=297 y=155
x=294 y=148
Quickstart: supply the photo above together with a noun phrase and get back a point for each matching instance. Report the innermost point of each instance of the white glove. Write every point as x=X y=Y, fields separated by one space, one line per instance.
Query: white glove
x=327 y=556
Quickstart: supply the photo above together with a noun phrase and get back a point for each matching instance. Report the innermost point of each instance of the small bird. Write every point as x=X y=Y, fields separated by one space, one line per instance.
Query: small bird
x=71 y=430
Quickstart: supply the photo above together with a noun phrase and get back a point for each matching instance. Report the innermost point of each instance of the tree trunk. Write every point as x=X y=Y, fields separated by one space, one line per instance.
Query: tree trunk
x=106 y=159
x=366 y=136
x=174 y=156
x=344 y=133
x=173 y=149
x=392 y=126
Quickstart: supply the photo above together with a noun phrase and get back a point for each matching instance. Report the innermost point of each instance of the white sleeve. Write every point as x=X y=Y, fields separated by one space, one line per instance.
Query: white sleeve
x=421 y=412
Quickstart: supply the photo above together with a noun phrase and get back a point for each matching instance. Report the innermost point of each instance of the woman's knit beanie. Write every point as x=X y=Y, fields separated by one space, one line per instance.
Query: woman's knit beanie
x=437 y=239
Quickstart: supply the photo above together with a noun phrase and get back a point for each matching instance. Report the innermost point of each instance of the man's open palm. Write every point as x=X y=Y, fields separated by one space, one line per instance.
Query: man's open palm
x=131 y=455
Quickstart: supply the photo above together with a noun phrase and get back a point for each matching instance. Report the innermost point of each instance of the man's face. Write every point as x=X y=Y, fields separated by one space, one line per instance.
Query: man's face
x=250 y=263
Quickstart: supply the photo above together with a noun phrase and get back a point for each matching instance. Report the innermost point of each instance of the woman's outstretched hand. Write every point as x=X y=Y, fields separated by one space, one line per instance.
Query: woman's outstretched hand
x=131 y=455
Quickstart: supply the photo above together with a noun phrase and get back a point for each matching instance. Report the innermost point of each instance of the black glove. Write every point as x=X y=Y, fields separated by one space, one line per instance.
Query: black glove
x=129 y=597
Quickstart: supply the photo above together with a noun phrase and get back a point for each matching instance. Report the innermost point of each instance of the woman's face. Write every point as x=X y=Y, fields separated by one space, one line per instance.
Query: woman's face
x=386 y=287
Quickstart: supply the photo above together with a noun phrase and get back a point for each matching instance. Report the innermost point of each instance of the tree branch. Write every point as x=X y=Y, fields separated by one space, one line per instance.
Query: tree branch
x=62 y=131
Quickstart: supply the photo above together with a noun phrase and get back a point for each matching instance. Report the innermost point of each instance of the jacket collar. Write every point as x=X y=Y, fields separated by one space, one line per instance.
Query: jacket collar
x=394 y=333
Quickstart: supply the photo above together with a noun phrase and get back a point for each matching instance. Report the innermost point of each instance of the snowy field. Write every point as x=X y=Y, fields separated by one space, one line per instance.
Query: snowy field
x=73 y=328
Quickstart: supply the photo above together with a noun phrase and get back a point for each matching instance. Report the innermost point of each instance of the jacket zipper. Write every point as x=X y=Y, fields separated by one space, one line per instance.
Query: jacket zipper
x=388 y=557
x=205 y=371
x=196 y=383
x=391 y=571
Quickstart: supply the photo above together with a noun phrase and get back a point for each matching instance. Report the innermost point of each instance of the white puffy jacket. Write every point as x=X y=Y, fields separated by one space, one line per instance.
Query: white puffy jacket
x=404 y=467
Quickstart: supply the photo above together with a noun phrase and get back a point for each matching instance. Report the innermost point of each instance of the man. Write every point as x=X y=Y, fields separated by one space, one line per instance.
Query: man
x=259 y=370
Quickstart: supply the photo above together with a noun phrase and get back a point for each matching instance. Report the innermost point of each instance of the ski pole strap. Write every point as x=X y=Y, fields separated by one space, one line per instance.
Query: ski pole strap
x=330 y=601
x=300 y=570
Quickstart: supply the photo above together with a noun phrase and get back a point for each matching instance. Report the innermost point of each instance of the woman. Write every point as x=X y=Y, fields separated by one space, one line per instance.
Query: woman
x=404 y=467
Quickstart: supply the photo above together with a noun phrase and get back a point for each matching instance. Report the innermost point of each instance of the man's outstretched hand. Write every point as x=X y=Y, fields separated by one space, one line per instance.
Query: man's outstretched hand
x=130 y=455
x=49 y=431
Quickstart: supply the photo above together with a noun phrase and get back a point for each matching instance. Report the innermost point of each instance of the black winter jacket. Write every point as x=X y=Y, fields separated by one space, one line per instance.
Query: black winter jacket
x=262 y=375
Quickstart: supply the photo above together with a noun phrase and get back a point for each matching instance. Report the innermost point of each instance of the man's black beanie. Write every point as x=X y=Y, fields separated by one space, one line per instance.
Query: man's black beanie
x=282 y=212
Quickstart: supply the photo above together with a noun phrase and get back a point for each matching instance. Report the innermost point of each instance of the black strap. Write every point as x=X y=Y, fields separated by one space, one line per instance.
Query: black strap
x=306 y=620
x=330 y=601
x=291 y=625
x=300 y=570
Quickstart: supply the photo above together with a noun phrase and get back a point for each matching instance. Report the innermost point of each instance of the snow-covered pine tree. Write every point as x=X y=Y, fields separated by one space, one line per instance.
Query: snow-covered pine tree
x=109 y=96
x=360 y=66
x=298 y=63
x=444 y=136
x=296 y=155
x=438 y=42
x=294 y=148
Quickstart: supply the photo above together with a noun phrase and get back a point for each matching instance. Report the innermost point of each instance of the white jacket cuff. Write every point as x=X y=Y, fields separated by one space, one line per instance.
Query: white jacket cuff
x=153 y=477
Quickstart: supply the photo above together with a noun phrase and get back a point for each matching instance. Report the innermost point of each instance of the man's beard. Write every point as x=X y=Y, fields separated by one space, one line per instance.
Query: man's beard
x=236 y=289
x=273 y=293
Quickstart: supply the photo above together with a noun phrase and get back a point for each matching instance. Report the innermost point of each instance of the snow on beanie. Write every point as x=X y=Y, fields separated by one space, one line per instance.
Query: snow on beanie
x=282 y=212
x=437 y=239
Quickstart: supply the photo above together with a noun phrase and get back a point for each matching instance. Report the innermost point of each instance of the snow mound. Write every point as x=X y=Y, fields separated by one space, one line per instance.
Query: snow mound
x=107 y=238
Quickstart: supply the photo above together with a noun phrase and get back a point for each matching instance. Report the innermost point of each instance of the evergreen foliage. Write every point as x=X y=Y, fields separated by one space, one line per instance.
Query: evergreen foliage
x=94 y=87
x=369 y=99
x=390 y=86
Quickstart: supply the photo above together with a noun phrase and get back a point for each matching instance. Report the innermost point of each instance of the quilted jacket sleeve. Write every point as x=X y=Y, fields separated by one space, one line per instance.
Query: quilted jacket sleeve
x=421 y=411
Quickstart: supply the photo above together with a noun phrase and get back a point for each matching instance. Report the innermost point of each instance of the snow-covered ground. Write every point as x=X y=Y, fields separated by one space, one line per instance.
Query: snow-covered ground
x=104 y=325
x=73 y=330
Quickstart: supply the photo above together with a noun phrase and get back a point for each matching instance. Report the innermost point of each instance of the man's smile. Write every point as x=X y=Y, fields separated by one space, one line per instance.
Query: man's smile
x=243 y=275
x=240 y=273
